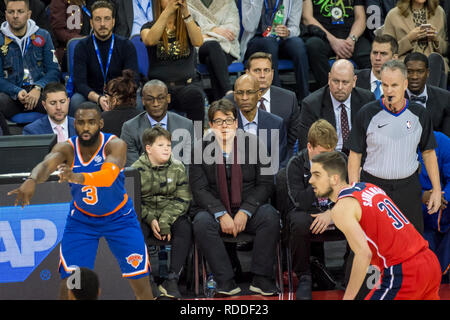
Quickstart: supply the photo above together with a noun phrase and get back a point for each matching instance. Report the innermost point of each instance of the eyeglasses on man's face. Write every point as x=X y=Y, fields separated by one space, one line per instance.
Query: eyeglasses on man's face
x=228 y=121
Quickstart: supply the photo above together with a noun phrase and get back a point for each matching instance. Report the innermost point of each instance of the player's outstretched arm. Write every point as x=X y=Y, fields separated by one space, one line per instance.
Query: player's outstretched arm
x=344 y=215
x=61 y=153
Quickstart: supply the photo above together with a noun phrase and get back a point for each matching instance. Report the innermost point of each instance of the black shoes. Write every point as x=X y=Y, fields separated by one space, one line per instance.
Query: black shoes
x=320 y=276
x=169 y=288
x=304 y=289
x=263 y=285
x=228 y=288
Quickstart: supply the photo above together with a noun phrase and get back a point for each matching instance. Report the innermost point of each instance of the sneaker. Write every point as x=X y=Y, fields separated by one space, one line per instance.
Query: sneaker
x=263 y=285
x=304 y=289
x=321 y=276
x=228 y=288
x=169 y=288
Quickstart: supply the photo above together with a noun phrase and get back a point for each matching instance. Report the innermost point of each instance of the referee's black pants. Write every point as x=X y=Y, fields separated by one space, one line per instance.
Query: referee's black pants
x=406 y=194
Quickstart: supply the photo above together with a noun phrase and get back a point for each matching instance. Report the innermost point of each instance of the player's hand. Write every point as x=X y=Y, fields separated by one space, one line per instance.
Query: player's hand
x=227 y=224
x=155 y=228
x=67 y=175
x=24 y=192
x=434 y=202
x=240 y=221
x=321 y=222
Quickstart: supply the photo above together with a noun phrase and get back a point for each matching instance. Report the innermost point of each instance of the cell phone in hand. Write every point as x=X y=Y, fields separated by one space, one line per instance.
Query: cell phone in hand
x=425 y=26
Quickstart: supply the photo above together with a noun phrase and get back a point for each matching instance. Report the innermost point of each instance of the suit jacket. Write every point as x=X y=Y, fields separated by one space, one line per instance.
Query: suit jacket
x=438 y=106
x=284 y=104
x=133 y=129
x=269 y=121
x=318 y=105
x=256 y=187
x=363 y=79
x=43 y=126
x=114 y=119
x=124 y=17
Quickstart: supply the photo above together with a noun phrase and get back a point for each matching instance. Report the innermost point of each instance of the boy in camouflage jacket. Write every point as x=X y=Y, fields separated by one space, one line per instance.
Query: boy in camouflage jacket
x=166 y=197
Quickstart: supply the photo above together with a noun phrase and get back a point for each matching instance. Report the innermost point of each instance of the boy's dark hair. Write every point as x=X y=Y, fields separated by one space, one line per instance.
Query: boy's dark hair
x=333 y=163
x=151 y=134
x=89 y=285
x=53 y=87
x=223 y=105
x=416 y=56
x=103 y=4
x=385 y=38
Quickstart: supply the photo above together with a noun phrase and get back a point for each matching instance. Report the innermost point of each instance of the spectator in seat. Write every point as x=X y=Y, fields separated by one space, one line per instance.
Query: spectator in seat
x=434 y=99
x=56 y=102
x=27 y=61
x=384 y=48
x=165 y=201
x=170 y=39
x=419 y=26
x=69 y=19
x=437 y=226
x=219 y=23
x=338 y=103
x=231 y=189
x=156 y=99
x=257 y=16
x=131 y=15
x=304 y=213
x=100 y=57
x=121 y=94
x=342 y=29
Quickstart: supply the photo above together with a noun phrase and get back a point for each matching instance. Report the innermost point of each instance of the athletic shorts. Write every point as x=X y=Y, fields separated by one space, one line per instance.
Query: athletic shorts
x=122 y=232
x=418 y=278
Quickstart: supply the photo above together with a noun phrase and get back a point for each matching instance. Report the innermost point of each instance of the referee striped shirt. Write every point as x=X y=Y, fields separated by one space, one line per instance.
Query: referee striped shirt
x=390 y=140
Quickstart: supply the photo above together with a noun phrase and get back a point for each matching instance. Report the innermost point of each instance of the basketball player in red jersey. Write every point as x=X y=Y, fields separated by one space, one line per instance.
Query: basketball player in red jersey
x=379 y=235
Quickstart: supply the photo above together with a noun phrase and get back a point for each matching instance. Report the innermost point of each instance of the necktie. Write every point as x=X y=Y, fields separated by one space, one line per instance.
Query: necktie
x=345 y=129
x=261 y=104
x=377 y=91
x=60 y=133
x=421 y=99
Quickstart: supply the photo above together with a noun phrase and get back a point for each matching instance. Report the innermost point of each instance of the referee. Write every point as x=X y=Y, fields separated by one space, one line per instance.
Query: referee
x=389 y=132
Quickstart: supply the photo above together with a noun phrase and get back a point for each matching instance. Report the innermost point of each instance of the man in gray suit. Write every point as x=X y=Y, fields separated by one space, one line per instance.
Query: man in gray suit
x=156 y=99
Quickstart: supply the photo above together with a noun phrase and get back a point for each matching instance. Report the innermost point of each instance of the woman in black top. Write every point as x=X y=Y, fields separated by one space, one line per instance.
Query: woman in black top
x=170 y=40
x=121 y=95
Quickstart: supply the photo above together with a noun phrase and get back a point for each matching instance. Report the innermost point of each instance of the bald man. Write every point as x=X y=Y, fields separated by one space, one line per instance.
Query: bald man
x=337 y=102
x=259 y=122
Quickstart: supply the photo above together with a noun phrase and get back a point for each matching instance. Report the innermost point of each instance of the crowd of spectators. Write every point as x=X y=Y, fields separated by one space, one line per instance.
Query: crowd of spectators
x=346 y=55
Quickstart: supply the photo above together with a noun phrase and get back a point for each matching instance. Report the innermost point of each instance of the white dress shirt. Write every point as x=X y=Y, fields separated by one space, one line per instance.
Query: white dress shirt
x=337 y=113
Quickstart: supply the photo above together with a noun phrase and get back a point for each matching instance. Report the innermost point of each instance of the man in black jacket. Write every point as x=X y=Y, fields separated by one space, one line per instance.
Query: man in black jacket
x=305 y=214
x=231 y=189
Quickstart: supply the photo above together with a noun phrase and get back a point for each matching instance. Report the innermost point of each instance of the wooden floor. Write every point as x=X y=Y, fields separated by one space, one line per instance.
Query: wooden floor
x=318 y=295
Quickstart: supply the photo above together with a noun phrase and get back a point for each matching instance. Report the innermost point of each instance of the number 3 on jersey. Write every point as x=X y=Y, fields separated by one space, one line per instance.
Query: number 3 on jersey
x=399 y=219
x=91 y=195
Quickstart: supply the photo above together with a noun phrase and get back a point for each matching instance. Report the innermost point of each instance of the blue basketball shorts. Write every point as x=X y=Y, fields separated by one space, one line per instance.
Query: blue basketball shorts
x=122 y=232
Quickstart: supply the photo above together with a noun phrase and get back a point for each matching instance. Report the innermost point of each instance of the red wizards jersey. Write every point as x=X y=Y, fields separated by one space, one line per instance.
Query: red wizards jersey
x=391 y=237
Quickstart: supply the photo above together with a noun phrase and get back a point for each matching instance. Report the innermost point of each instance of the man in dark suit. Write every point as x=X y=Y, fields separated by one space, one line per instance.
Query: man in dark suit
x=56 y=102
x=131 y=15
x=384 y=48
x=253 y=119
x=276 y=100
x=231 y=188
x=156 y=99
x=434 y=99
x=338 y=103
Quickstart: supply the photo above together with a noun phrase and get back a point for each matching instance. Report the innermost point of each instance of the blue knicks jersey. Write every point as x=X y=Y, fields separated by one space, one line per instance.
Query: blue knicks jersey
x=97 y=201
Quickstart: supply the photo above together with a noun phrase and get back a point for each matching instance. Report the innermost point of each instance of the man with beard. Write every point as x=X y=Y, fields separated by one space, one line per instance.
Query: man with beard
x=92 y=162
x=378 y=233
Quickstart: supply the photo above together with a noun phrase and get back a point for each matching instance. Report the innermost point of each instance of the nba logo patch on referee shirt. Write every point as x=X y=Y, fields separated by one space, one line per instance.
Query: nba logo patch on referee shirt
x=134 y=260
x=408 y=124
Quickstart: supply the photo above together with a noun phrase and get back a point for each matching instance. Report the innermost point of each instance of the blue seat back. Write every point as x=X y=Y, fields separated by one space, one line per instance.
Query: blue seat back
x=70 y=50
x=142 y=54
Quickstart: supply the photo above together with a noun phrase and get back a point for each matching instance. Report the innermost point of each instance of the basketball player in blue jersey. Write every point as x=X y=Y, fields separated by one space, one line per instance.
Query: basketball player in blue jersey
x=92 y=163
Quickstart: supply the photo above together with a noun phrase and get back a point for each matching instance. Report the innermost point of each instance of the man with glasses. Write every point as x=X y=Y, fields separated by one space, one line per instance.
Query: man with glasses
x=100 y=57
x=261 y=123
x=231 y=187
x=156 y=99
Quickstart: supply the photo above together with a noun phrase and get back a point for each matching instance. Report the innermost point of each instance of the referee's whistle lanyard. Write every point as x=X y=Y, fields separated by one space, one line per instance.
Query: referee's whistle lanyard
x=97 y=51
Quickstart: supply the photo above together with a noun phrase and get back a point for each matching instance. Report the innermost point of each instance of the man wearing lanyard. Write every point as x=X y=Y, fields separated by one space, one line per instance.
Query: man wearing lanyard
x=100 y=58
x=131 y=15
x=257 y=16
x=27 y=61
